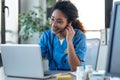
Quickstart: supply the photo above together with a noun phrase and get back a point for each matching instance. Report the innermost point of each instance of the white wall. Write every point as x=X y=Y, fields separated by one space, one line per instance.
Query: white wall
x=102 y=57
x=0 y=13
x=103 y=51
x=0 y=20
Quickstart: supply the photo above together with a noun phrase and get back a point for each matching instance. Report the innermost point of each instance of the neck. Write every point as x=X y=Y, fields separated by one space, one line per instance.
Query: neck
x=62 y=35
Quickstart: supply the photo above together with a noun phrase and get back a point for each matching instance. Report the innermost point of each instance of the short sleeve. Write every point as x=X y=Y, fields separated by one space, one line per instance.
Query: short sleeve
x=43 y=44
x=80 y=45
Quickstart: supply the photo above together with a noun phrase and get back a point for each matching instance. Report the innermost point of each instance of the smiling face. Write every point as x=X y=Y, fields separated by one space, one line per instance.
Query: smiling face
x=58 y=22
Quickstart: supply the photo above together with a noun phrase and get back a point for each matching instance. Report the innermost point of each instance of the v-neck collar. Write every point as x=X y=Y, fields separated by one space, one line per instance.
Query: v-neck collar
x=57 y=41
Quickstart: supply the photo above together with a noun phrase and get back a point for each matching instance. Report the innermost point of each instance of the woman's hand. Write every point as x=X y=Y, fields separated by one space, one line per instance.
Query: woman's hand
x=72 y=56
x=70 y=33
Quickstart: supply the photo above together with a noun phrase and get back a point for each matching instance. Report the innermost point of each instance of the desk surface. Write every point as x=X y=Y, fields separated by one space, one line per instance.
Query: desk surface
x=4 y=77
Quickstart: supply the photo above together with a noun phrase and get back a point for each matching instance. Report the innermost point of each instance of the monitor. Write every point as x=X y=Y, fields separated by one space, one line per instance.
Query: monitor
x=113 y=56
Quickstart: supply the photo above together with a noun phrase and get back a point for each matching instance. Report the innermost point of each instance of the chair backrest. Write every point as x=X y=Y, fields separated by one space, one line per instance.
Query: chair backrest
x=91 y=57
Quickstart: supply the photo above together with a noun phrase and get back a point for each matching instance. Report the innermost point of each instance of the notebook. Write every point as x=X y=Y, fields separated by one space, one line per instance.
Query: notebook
x=23 y=60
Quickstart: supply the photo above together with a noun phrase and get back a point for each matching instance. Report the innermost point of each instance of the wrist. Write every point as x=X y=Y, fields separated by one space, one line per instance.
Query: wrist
x=69 y=43
x=70 y=47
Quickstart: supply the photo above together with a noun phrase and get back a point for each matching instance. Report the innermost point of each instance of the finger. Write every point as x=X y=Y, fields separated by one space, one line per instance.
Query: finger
x=70 y=24
x=71 y=28
x=68 y=28
x=66 y=31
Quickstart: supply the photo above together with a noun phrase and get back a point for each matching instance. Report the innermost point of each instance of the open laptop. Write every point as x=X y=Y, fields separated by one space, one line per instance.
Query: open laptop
x=22 y=60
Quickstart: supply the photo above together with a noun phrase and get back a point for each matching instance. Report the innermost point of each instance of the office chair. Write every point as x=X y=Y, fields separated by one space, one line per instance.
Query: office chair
x=92 y=53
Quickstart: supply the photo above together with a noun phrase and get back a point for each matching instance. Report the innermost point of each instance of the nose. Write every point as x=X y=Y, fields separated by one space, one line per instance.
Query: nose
x=54 y=24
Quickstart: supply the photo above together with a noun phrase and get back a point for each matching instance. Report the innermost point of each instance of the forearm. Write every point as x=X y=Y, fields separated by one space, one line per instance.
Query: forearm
x=72 y=57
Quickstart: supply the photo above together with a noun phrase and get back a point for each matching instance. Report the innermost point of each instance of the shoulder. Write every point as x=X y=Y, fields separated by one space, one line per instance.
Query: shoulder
x=79 y=37
x=45 y=37
x=46 y=33
x=79 y=34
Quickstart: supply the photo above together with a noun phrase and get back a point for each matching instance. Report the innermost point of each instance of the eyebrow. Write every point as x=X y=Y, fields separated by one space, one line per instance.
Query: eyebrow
x=57 y=18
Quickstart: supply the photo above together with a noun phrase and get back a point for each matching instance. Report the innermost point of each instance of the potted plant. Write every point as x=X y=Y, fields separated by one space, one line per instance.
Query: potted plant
x=31 y=24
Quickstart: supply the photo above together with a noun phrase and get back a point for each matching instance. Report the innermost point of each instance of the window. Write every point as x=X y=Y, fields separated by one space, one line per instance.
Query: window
x=11 y=21
x=92 y=15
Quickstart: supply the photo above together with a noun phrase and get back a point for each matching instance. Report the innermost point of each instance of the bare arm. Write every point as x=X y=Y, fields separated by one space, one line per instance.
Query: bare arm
x=72 y=56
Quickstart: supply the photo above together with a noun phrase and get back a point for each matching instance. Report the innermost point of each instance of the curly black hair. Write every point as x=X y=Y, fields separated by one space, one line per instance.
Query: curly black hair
x=70 y=12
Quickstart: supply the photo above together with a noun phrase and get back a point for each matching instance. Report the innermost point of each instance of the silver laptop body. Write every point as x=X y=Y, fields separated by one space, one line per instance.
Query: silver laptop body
x=22 y=60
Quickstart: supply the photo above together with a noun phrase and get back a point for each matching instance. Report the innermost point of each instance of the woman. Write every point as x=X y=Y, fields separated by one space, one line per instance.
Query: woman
x=65 y=42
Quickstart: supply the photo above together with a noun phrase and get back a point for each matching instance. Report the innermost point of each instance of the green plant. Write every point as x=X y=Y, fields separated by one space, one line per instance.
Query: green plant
x=50 y=3
x=31 y=22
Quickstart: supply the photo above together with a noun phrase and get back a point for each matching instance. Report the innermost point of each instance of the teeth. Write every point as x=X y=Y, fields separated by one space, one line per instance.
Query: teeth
x=55 y=29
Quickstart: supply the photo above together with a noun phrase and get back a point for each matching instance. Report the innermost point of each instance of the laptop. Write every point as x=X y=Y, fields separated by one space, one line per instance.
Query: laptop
x=22 y=60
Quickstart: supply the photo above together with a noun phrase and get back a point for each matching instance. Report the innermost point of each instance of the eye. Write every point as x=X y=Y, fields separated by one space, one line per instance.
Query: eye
x=52 y=19
x=59 y=22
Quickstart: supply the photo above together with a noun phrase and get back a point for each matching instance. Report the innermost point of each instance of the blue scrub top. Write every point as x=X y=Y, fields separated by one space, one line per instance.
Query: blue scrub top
x=56 y=52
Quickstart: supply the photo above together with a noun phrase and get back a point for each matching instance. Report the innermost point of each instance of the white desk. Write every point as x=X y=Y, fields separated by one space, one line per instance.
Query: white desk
x=4 y=77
